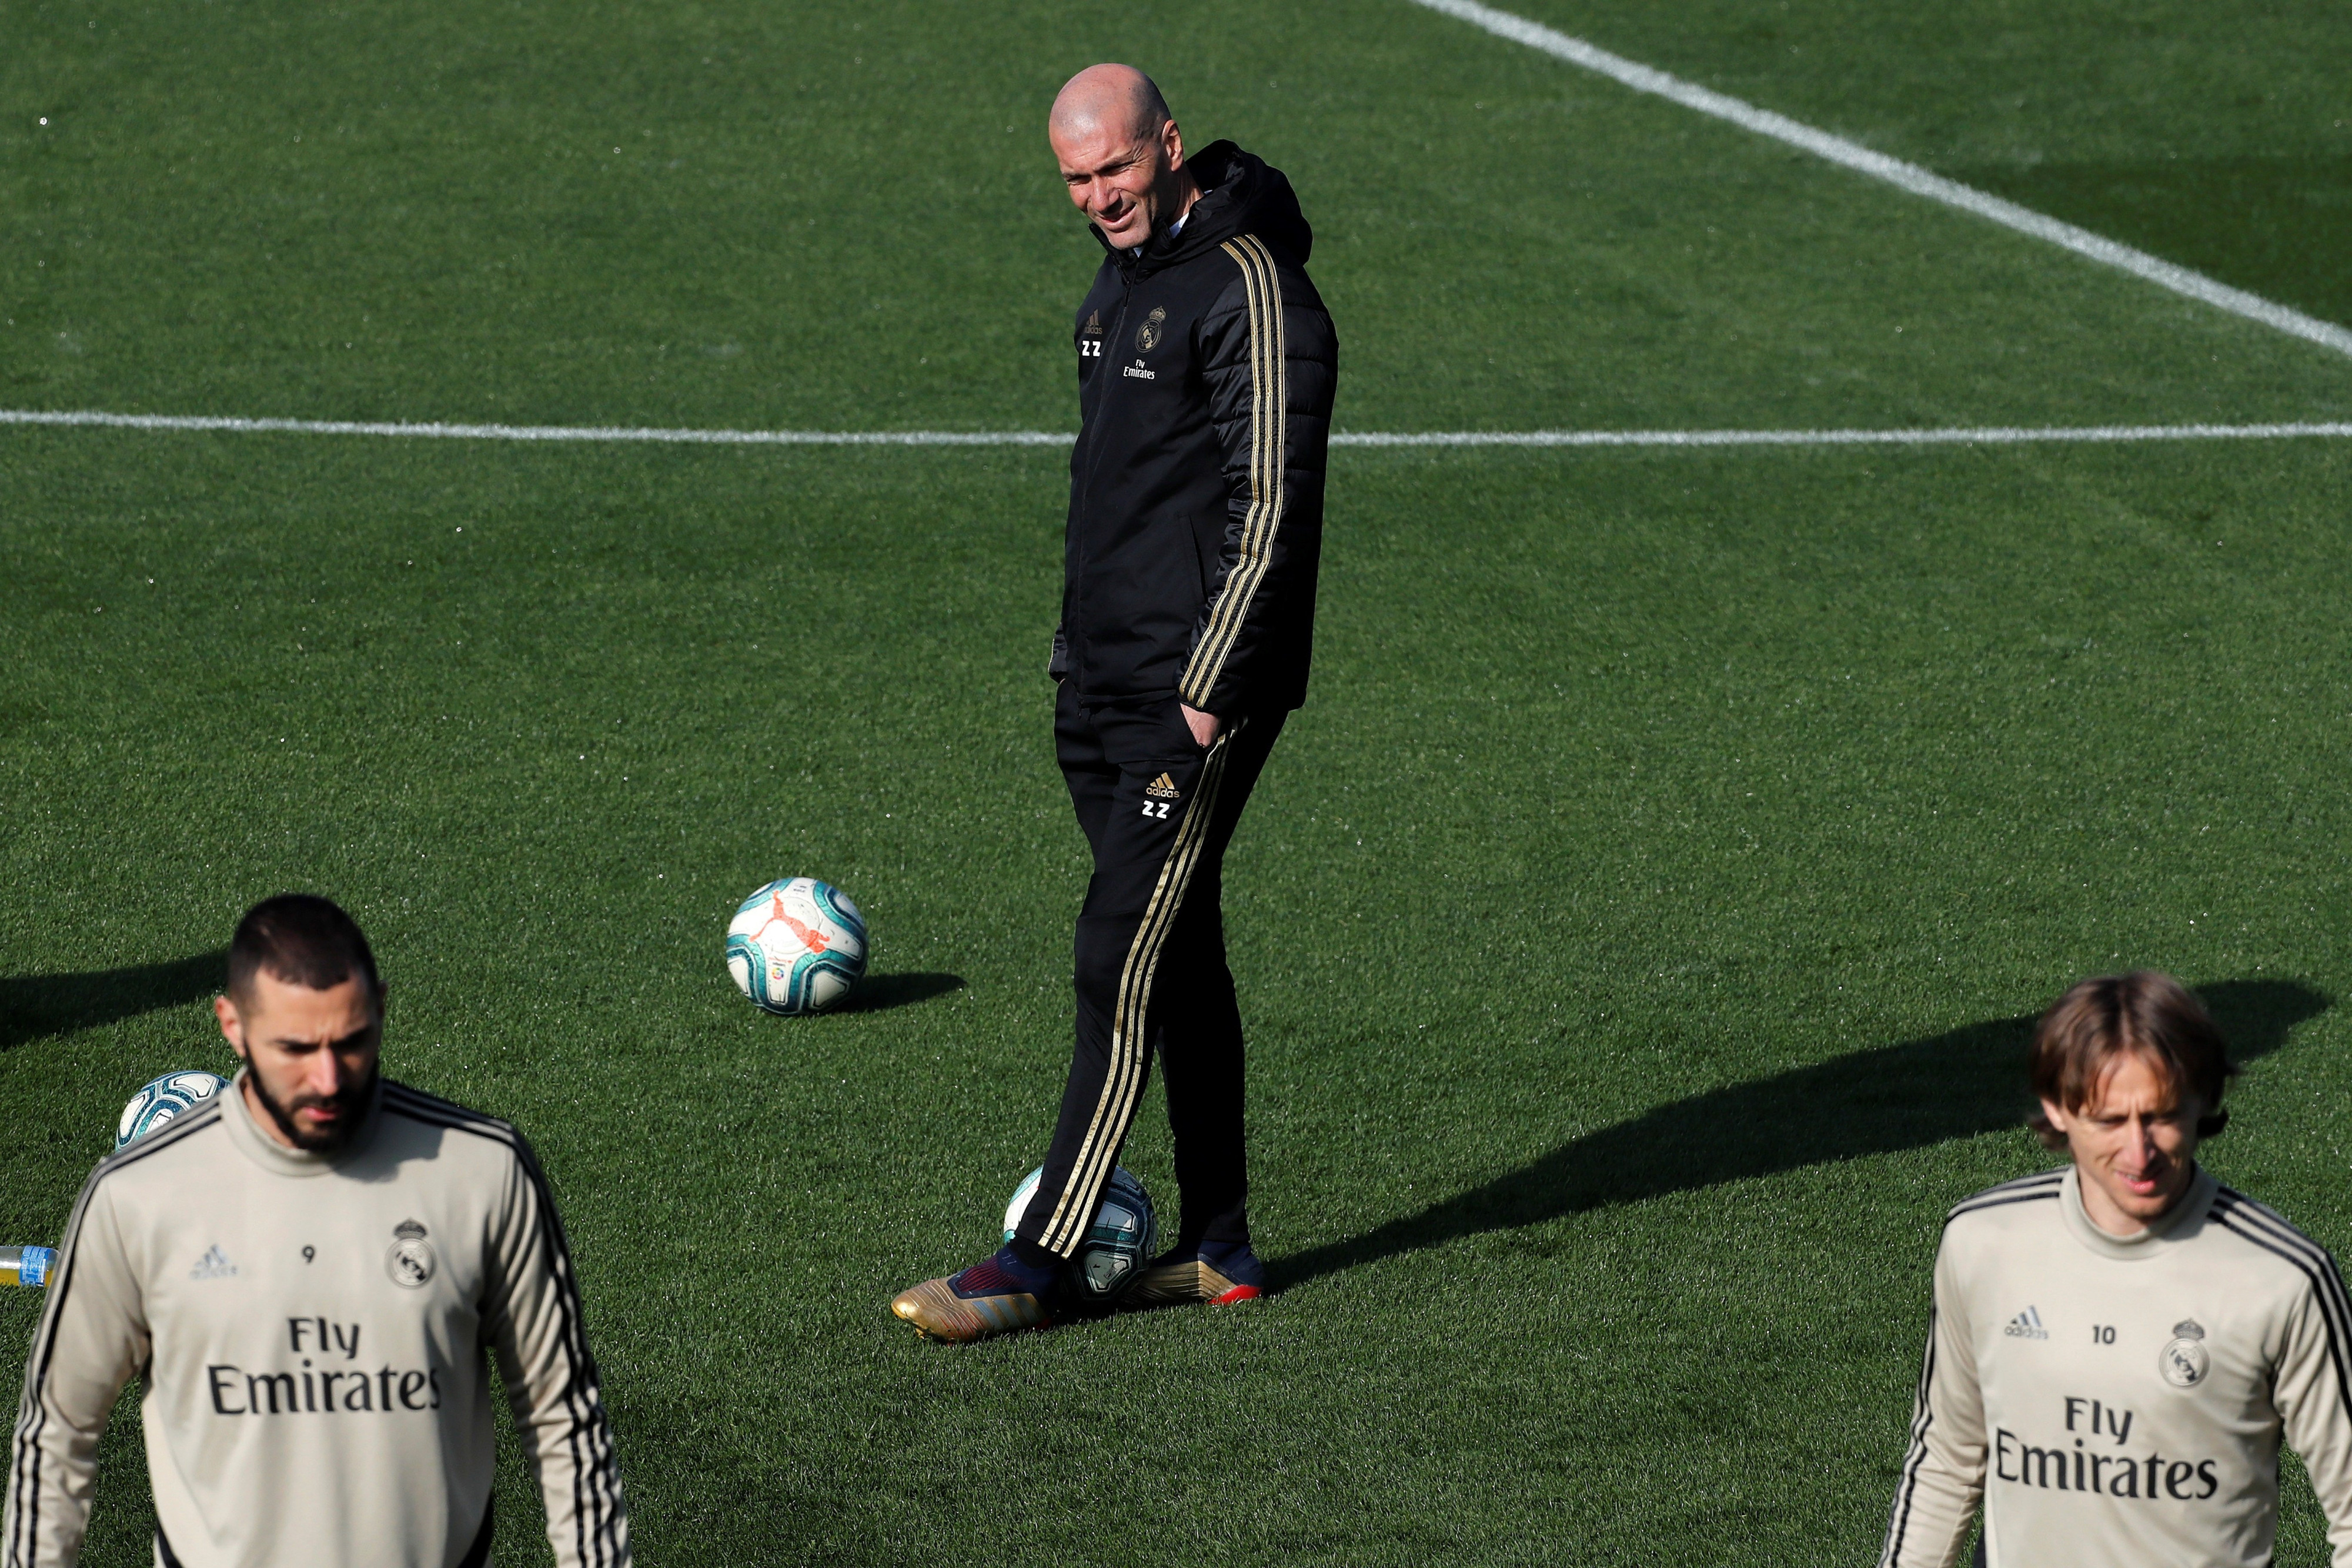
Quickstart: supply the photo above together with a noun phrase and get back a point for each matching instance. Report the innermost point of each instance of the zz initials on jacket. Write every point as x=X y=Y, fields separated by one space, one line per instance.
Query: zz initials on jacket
x=1196 y=483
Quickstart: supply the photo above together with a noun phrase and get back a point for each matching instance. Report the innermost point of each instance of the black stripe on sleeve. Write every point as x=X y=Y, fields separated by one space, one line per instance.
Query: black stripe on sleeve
x=593 y=1517
x=2275 y=1225
x=24 y=1479
x=2242 y=1217
x=401 y=1096
x=595 y=1473
x=1922 y=1418
x=597 y=1510
x=2036 y=1188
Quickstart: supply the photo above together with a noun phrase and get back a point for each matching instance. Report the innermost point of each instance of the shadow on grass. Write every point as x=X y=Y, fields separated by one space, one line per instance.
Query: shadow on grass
x=1895 y=1097
x=36 y=1006
x=877 y=992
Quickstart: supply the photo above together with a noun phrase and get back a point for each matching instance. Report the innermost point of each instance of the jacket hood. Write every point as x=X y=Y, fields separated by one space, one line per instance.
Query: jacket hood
x=1241 y=193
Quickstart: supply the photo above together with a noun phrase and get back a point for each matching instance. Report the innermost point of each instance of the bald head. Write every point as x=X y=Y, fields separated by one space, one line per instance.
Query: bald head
x=1121 y=154
x=1113 y=99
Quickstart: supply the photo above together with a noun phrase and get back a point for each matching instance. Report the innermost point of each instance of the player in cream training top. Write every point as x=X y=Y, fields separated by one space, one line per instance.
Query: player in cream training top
x=304 y=1275
x=2117 y=1348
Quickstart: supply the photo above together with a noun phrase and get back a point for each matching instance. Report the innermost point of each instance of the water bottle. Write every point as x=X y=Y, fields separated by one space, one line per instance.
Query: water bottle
x=27 y=1265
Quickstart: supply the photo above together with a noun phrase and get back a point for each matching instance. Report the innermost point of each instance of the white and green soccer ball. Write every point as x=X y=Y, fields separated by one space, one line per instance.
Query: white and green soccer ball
x=174 y=1094
x=1117 y=1246
x=797 y=945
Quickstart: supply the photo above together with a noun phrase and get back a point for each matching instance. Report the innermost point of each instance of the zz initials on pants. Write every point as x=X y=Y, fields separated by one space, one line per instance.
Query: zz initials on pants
x=1157 y=809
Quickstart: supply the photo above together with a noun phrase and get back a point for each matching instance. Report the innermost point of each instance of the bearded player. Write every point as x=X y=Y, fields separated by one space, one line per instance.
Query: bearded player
x=2117 y=1348
x=304 y=1274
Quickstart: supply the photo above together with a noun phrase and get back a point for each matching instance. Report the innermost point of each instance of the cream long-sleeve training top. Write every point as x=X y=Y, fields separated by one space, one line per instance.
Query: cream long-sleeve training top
x=2120 y=1401
x=308 y=1331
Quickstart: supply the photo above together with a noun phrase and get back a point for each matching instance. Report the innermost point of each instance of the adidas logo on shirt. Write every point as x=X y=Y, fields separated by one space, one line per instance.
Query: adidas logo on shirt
x=212 y=1265
x=1162 y=789
x=2026 y=1325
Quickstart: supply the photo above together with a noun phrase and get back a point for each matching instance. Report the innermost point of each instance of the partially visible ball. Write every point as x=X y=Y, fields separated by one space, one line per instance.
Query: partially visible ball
x=174 y=1094
x=797 y=945
x=1117 y=1245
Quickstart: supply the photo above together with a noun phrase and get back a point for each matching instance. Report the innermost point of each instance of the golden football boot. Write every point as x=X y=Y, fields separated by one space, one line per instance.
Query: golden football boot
x=982 y=1302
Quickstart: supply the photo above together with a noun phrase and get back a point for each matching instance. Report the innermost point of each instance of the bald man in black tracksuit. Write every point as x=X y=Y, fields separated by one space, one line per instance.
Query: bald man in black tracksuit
x=1206 y=370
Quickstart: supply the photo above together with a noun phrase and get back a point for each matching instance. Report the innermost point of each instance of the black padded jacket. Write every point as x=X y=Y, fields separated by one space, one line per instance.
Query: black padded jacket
x=1206 y=368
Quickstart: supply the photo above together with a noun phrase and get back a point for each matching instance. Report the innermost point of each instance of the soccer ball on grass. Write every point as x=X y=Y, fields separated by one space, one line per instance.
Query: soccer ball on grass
x=797 y=945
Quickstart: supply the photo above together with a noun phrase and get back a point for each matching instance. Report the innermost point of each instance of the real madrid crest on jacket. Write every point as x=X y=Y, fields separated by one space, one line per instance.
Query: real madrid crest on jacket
x=1206 y=370
x=410 y=1262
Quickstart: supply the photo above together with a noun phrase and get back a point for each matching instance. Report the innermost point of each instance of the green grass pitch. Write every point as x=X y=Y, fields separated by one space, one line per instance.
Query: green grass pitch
x=1634 y=930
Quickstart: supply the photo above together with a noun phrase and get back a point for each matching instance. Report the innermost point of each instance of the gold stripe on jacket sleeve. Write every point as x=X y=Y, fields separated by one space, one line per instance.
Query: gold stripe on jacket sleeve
x=1269 y=433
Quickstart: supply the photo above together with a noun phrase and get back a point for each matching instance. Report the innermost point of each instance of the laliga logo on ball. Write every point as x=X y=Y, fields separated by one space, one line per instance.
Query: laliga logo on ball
x=797 y=945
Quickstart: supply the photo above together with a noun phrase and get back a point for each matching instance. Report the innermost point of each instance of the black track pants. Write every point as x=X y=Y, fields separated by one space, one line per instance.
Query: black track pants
x=1150 y=970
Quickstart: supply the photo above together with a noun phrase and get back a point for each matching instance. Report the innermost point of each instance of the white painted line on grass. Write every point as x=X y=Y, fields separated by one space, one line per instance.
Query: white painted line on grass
x=1955 y=436
x=1964 y=435
x=1894 y=172
x=543 y=431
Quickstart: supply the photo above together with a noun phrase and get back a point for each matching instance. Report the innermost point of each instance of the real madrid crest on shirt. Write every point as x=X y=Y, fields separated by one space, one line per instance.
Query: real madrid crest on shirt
x=410 y=1263
x=2184 y=1361
x=1147 y=337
